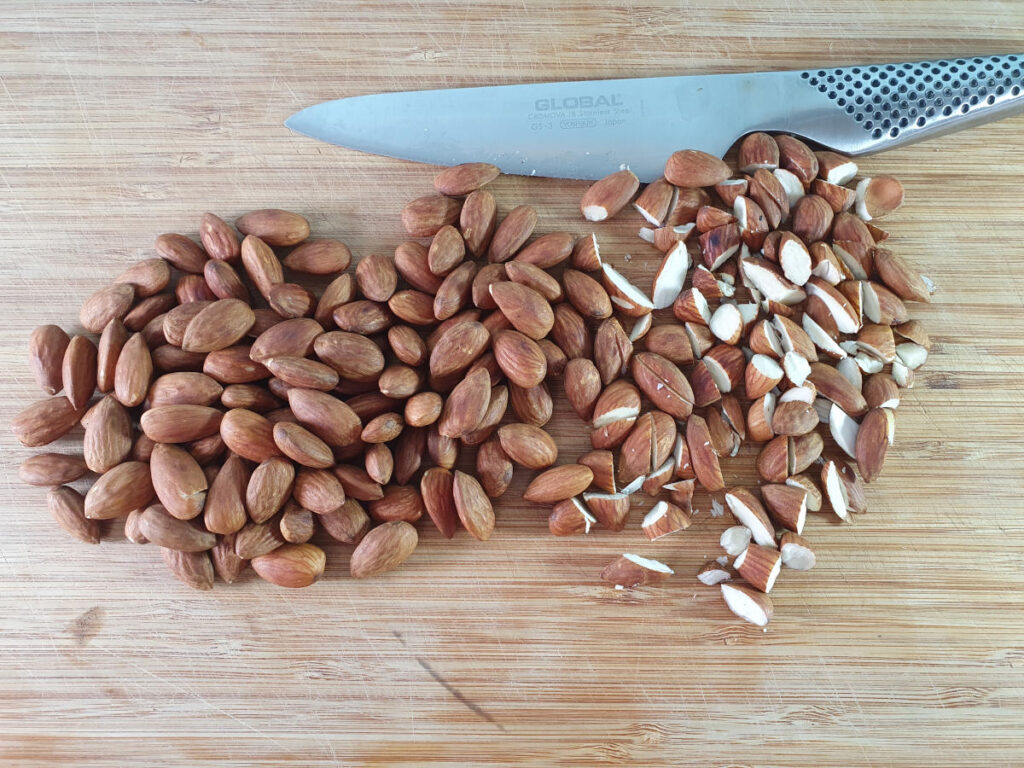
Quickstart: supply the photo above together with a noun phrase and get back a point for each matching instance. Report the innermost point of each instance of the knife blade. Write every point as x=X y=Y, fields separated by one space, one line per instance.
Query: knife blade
x=588 y=129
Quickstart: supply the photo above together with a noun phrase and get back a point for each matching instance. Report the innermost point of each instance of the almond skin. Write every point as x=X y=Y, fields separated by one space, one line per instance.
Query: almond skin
x=116 y=493
x=319 y=257
x=528 y=445
x=466 y=405
x=180 y=423
x=268 y=488
x=291 y=565
x=437 y=492
x=586 y=294
x=68 y=508
x=106 y=304
x=218 y=325
x=133 y=371
x=399 y=502
x=609 y=195
x=477 y=220
x=178 y=480
x=108 y=436
x=693 y=168
x=166 y=531
x=559 y=483
x=547 y=251
x=192 y=568
x=45 y=421
x=424 y=216
x=348 y=524
x=458 y=347
x=78 y=370
x=462 y=179
x=50 y=469
x=224 y=511
x=383 y=549
x=246 y=433
x=46 y=348
x=520 y=358
x=514 y=230
x=473 y=506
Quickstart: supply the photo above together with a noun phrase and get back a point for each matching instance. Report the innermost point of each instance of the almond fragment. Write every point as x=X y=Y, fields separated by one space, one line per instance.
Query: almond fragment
x=702 y=453
x=750 y=605
x=586 y=255
x=796 y=552
x=655 y=201
x=625 y=296
x=602 y=466
x=612 y=350
x=668 y=280
x=878 y=197
x=570 y=517
x=631 y=570
x=760 y=566
x=663 y=383
x=607 y=197
x=835 y=168
x=664 y=519
x=797 y=157
x=712 y=573
x=758 y=150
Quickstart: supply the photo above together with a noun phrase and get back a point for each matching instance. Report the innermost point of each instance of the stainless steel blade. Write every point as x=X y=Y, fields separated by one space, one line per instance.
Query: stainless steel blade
x=588 y=129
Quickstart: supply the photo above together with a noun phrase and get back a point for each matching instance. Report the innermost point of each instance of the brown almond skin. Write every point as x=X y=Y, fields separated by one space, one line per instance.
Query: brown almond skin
x=108 y=436
x=520 y=358
x=570 y=333
x=376 y=277
x=107 y=303
x=302 y=446
x=225 y=511
x=872 y=444
x=50 y=469
x=702 y=454
x=559 y=483
x=219 y=325
x=291 y=565
x=383 y=549
x=182 y=253
x=184 y=388
x=269 y=486
x=663 y=383
x=527 y=310
x=514 y=230
x=693 y=168
x=411 y=263
x=425 y=215
x=352 y=355
x=178 y=480
x=626 y=573
x=148 y=277
x=458 y=347
x=218 y=238
x=68 y=508
x=226 y=562
x=274 y=226
x=528 y=445
x=145 y=310
x=116 y=493
x=460 y=180
x=436 y=490
x=586 y=294
x=466 y=405
x=399 y=502
x=192 y=568
x=133 y=371
x=455 y=291
x=477 y=221
x=318 y=490
x=46 y=348
x=319 y=257
x=493 y=468
x=172 y=533
x=257 y=539
x=447 y=250
x=348 y=524
x=78 y=370
x=180 y=423
x=474 y=508
x=45 y=420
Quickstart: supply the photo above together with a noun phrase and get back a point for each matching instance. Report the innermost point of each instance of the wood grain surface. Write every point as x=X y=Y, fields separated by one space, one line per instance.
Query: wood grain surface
x=904 y=647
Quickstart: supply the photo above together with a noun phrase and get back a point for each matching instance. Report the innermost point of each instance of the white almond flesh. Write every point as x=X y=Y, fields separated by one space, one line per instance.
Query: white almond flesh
x=827 y=271
x=868 y=363
x=646 y=562
x=869 y=303
x=748 y=311
x=768 y=368
x=726 y=323
x=632 y=488
x=850 y=346
x=791 y=184
x=912 y=355
x=743 y=513
x=595 y=212
x=795 y=261
x=735 y=539
x=616 y=414
x=797 y=556
x=821 y=339
x=719 y=376
x=850 y=262
x=756 y=611
x=677 y=452
x=835 y=491
x=634 y=296
x=799 y=393
x=796 y=367
x=641 y=327
x=668 y=283
x=713 y=574
x=845 y=321
x=842 y=173
x=772 y=285
x=902 y=375
x=861 y=206
x=851 y=372
x=844 y=430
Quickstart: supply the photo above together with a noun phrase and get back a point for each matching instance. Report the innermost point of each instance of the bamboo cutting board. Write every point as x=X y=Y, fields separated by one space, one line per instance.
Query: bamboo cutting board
x=904 y=647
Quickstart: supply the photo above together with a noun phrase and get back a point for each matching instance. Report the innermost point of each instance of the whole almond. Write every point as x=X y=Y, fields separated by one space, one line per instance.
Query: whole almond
x=192 y=288
x=178 y=480
x=493 y=468
x=413 y=307
x=116 y=493
x=218 y=325
x=383 y=428
x=291 y=565
x=409 y=452
x=224 y=281
x=318 y=490
x=407 y=345
x=274 y=226
x=473 y=506
x=532 y=405
x=376 y=277
x=383 y=549
x=532 y=276
x=246 y=433
x=443 y=451
x=363 y=317
x=411 y=262
x=357 y=483
x=481 y=289
x=423 y=409
x=78 y=370
x=528 y=445
x=319 y=257
x=514 y=230
x=68 y=508
x=457 y=348
x=145 y=310
x=436 y=490
x=379 y=462
x=520 y=358
x=297 y=525
x=181 y=252
x=612 y=350
x=609 y=195
x=399 y=502
x=176 y=320
x=192 y=568
x=233 y=365
x=218 y=238
x=107 y=303
x=108 y=436
x=455 y=291
x=50 y=469
x=693 y=168
x=180 y=423
x=45 y=420
x=302 y=372
x=477 y=220
x=166 y=531
x=268 y=488
x=548 y=250
x=225 y=511
x=184 y=387
x=256 y=539
x=466 y=405
x=226 y=562
x=559 y=483
x=148 y=277
x=527 y=310
x=462 y=179
x=424 y=216
x=261 y=264
x=586 y=294
x=133 y=371
x=570 y=333
x=46 y=348
x=302 y=446
x=348 y=524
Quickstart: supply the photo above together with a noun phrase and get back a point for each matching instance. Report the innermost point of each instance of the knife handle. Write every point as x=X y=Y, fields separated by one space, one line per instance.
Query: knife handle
x=869 y=108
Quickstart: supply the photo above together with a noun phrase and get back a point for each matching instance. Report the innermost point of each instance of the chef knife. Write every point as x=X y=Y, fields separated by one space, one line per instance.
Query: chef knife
x=588 y=129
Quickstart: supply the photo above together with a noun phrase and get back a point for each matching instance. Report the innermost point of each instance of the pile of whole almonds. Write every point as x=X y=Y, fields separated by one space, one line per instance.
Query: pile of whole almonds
x=239 y=413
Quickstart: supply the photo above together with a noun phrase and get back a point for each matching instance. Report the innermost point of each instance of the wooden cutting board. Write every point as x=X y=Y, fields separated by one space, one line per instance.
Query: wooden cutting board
x=904 y=647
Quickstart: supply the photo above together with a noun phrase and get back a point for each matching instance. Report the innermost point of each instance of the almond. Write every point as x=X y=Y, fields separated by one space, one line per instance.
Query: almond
x=268 y=488
x=493 y=468
x=881 y=391
x=758 y=150
x=424 y=216
x=46 y=355
x=347 y=524
x=730 y=189
x=257 y=539
x=466 y=405
x=612 y=350
x=873 y=440
x=108 y=437
x=528 y=445
x=559 y=483
x=797 y=157
x=664 y=519
x=473 y=506
x=634 y=571
x=447 y=250
x=527 y=310
x=291 y=300
x=602 y=466
x=607 y=197
x=760 y=566
x=181 y=252
x=515 y=229
x=570 y=517
x=261 y=264
x=794 y=418
x=693 y=168
x=218 y=325
x=178 y=482
x=455 y=291
x=274 y=226
x=436 y=489
x=796 y=552
x=192 y=568
x=246 y=433
x=78 y=370
x=362 y=317
x=663 y=383
x=291 y=565
x=171 y=533
x=462 y=179
x=548 y=250
x=655 y=201
x=671 y=342
x=625 y=297
x=787 y=504
x=702 y=454
x=133 y=371
x=727 y=323
x=318 y=490
x=750 y=605
x=51 y=469
x=878 y=197
x=193 y=288
x=327 y=417
x=148 y=277
x=319 y=257
x=611 y=510
x=495 y=413
x=120 y=490
x=45 y=421
x=411 y=262
x=532 y=405
x=68 y=508
x=570 y=333
x=383 y=428
x=302 y=446
x=399 y=502
x=582 y=384
x=477 y=220
x=712 y=573
x=383 y=549
x=520 y=358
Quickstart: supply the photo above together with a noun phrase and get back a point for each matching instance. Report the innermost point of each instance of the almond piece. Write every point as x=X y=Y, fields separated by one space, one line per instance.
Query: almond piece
x=794 y=418
x=668 y=280
x=586 y=255
x=750 y=605
x=712 y=573
x=608 y=196
x=787 y=505
x=655 y=201
x=797 y=157
x=693 y=168
x=570 y=517
x=796 y=552
x=671 y=342
x=631 y=570
x=835 y=168
x=515 y=229
x=878 y=197
x=602 y=466
x=625 y=297
x=748 y=511
x=528 y=445
x=612 y=350
x=758 y=150
x=47 y=346
x=873 y=440
x=559 y=483
x=665 y=519
x=760 y=566
x=460 y=180
x=117 y=492
x=663 y=383
x=611 y=510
